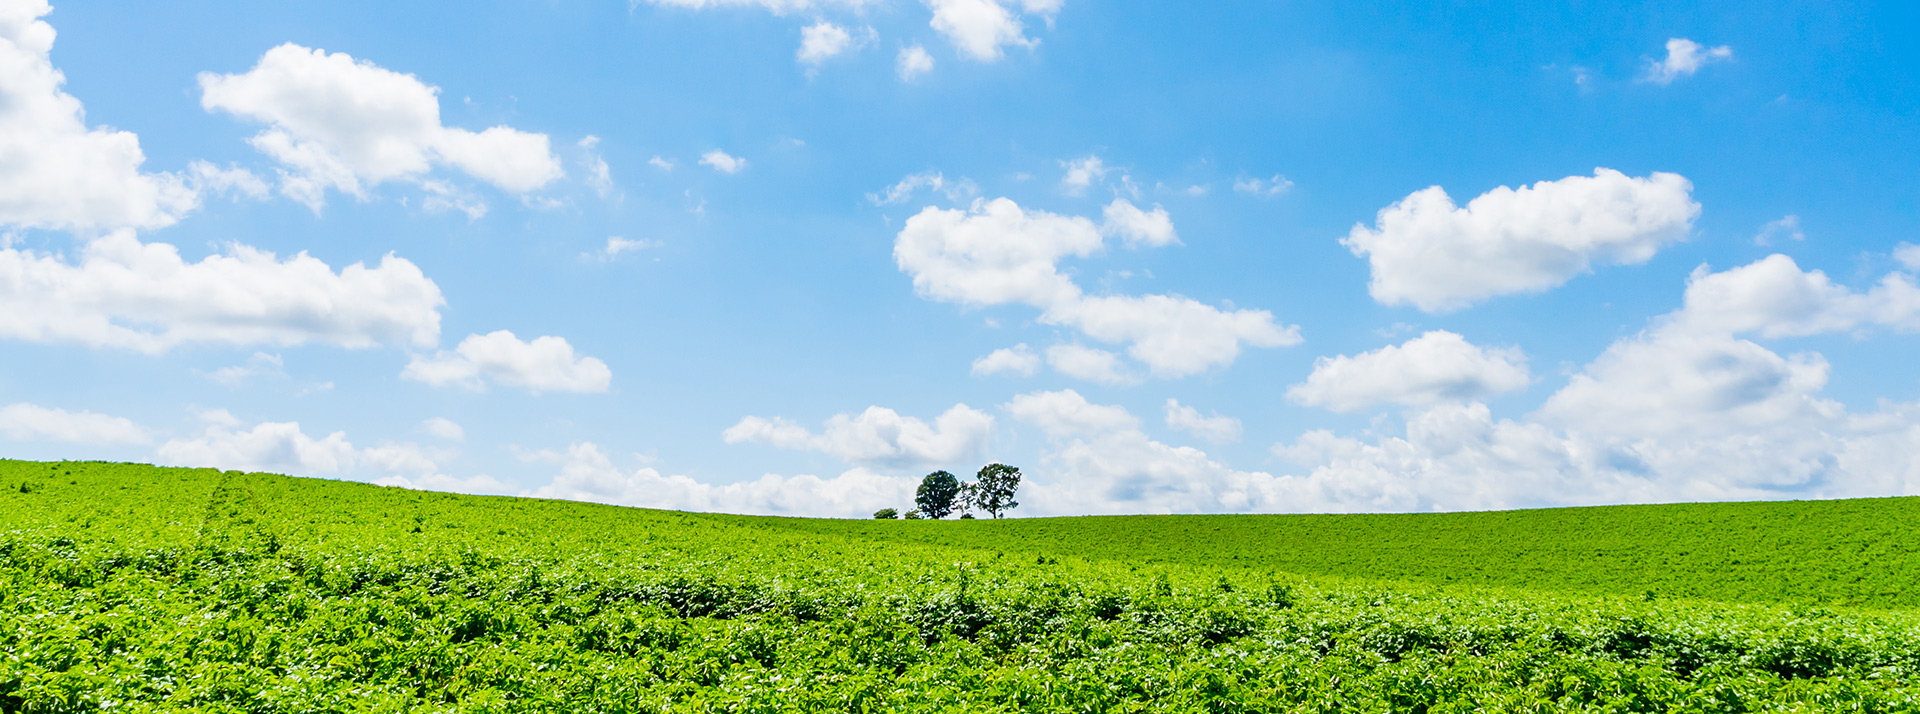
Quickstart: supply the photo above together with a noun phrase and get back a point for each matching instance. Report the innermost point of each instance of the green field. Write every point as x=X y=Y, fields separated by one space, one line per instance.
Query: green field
x=127 y=587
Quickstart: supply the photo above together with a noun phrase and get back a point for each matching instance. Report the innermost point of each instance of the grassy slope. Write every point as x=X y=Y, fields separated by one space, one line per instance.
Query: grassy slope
x=163 y=590
x=1856 y=552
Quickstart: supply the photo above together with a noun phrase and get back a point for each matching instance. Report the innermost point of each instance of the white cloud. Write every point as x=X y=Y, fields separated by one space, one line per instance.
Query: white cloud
x=978 y=28
x=599 y=174
x=912 y=63
x=1065 y=414
x=334 y=122
x=661 y=163
x=1262 y=187
x=282 y=447
x=876 y=437
x=722 y=162
x=586 y=474
x=1081 y=173
x=1215 y=429
x=1136 y=226
x=1100 y=462
x=1088 y=363
x=29 y=422
x=444 y=428
x=1684 y=57
x=1018 y=359
x=1175 y=336
x=545 y=364
x=1671 y=382
x=932 y=180
x=1907 y=254
x=260 y=364
x=279 y=447
x=823 y=40
x=996 y=253
x=1684 y=411
x=55 y=172
x=1436 y=367
x=1786 y=227
x=1427 y=252
x=617 y=245
x=209 y=179
x=1775 y=298
x=144 y=297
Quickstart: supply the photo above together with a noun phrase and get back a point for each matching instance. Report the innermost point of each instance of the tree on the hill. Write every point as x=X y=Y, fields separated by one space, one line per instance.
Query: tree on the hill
x=966 y=499
x=885 y=514
x=993 y=491
x=936 y=493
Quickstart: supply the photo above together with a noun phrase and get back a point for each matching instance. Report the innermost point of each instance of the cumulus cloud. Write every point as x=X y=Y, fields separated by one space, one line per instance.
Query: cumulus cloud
x=1684 y=57
x=1773 y=297
x=824 y=40
x=994 y=253
x=1438 y=257
x=334 y=122
x=1175 y=336
x=444 y=428
x=545 y=364
x=1908 y=254
x=723 y=162
x=912 y=63
x=144 y=297
x=57 y=173
x=1436 y=367
x=997 y=253
x=1089 y=363
x=1098 y=461
x=979 y=29
x=282 y=447
x=1685 y=410
x=1065 y=414
x=877 y=437
x=1263 y=188
x=1018 y=359
x=279 y=447
x=1214 y=429
x=1138 y=227
x=587 y=474
x=30 y=422
x=1081 y=173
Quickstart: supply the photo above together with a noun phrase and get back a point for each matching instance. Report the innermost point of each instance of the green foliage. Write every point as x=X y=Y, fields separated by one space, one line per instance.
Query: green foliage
x=936 y=495
x=885 y=514
x=994 y=486
x=134 y=588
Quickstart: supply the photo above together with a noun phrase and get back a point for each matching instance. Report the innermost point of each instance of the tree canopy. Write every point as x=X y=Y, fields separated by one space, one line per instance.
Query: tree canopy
x=936 y=494
x=992 y=489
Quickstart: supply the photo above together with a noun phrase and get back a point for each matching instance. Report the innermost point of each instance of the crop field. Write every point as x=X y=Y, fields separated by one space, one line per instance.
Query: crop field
x=136 y=588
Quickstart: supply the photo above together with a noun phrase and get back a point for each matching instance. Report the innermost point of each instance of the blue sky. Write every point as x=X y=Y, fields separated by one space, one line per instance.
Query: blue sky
x=786 y=256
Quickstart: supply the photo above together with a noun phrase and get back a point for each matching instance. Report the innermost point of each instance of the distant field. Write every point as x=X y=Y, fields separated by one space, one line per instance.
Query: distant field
x=136 y=588
x=1856 y=551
